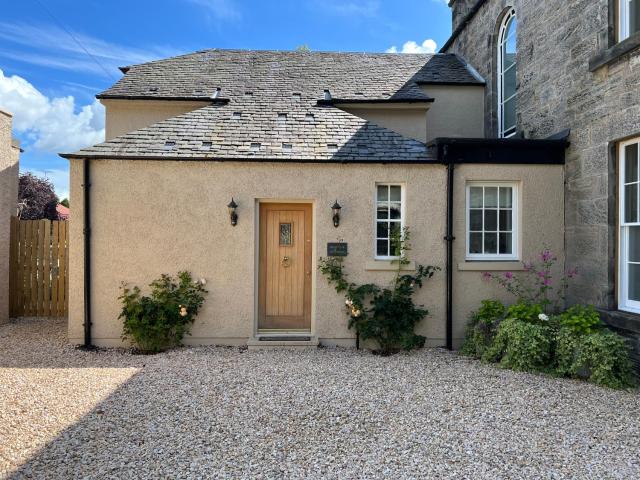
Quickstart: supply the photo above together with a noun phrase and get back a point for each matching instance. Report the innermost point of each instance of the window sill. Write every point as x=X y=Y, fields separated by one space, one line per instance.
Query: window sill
x=613 y=53
x=388 y=265
x=490 y=266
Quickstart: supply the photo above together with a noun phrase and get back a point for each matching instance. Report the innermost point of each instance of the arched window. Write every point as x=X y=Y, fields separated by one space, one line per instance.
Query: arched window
x=507 y=75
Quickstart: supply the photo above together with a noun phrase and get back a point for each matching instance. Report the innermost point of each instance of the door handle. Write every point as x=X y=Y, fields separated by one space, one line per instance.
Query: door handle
x=286 y=261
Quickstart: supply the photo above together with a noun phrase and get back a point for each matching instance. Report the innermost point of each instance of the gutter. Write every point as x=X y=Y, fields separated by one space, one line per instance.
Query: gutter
x=87 y=253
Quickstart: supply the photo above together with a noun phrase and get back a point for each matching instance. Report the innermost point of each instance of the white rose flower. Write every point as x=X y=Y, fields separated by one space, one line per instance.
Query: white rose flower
x=543 y=317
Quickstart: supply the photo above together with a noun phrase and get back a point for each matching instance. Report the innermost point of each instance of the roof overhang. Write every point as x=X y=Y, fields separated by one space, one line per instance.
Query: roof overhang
x=374 y=101
x=213 y=101
x=549 y=151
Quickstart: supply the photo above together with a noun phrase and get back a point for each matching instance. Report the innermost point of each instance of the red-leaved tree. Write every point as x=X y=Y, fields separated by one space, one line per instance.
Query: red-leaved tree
x=36 y=198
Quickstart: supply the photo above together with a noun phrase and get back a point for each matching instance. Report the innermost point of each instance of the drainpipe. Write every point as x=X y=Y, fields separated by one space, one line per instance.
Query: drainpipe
x=87 y=254
x=449 y=239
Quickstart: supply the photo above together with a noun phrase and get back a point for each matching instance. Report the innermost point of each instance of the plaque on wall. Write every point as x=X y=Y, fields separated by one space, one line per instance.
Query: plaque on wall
x=338 y=249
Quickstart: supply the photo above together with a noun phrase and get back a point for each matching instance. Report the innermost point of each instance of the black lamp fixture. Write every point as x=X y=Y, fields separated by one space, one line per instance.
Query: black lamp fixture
x=233 y=216
x=336 y=214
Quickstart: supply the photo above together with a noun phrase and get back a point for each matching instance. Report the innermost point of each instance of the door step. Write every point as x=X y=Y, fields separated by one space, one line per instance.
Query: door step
x=294 y=342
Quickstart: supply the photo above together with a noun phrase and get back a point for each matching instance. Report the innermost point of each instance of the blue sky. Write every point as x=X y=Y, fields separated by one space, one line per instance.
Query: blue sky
x=55 y=55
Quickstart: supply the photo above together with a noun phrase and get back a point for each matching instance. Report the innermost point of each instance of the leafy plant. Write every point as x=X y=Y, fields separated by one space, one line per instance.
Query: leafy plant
x=581 y=320
x=386 y=315
x=527 y=312
x=601 y=357
x=482 y=327
x=537 y=284
x=160 y=321
x=521 y=345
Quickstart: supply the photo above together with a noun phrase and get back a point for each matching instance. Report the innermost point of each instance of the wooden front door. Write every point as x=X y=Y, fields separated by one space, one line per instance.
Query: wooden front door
x=285 y=267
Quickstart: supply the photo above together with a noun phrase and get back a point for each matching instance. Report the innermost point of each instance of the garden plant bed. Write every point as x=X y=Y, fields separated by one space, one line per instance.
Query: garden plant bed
x=228 y=412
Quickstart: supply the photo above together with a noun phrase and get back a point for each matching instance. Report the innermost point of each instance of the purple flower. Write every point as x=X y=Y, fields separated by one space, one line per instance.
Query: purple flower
x=547 y=281
x=508 y=275
x=572 y=272
x=541 y=274
x=486 y=276
x=546 y=255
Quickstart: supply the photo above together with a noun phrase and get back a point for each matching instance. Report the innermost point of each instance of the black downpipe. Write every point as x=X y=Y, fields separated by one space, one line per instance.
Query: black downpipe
x=449 y=238
x=87 y=254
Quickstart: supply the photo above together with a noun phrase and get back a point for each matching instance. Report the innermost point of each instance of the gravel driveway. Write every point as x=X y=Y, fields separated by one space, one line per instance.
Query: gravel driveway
x=223 y=412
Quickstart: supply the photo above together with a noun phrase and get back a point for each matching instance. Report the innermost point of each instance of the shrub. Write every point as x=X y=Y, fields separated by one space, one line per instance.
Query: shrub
x=601 y=357
x=581 y=320
x=521 y=345
x=392 y=317
x=160 y=321
x=481 y=329
x=527 y=312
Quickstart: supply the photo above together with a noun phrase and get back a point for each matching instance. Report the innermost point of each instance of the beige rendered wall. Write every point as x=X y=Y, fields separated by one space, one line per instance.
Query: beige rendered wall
x=457 y=111
x=153 y=217
x=9 y=156
x=541 y=224
x=124 y=116
x=410 y=122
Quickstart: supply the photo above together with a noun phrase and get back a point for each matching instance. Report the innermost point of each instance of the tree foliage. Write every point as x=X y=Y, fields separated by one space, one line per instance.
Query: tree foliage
x=36 y=198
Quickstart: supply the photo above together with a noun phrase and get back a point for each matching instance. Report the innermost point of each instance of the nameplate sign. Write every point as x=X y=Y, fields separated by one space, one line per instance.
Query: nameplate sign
x=337 y=249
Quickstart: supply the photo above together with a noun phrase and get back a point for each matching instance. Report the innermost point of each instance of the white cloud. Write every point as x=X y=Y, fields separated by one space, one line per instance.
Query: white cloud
x=50 y=124
x=428 y=46
x=220 y=9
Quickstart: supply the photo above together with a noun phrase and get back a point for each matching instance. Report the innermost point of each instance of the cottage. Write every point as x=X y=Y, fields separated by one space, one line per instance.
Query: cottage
x=397 y=140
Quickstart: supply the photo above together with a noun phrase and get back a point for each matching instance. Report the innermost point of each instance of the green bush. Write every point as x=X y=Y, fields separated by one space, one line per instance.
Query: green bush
x=160 y=321
x=527 y=312
x=482 y=327
x=521 y=345
x=601 y=357
x=581 y=320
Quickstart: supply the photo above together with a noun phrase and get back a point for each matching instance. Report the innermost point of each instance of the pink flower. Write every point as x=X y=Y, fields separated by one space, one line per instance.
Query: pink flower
x=541 y=274
x=546 y=255
x=572 y=272
x=547 y=281
x=508 y=275
x=486 y=276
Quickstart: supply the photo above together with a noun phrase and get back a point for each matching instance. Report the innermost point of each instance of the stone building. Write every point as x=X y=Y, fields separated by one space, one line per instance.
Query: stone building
x=552 y=66
x=9 y=155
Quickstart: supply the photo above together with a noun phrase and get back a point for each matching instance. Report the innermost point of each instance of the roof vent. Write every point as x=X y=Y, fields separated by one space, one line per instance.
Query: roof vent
x=327 y=95
x=310 y=117
x=236 y=115
x=287 y=147
x=332 y=147
x=169 y=144
x=153 y=89
x=255 y=147
x=216 y=94
x=248 y=92
x=206 y=146
x=297 y=96
x=282 y=117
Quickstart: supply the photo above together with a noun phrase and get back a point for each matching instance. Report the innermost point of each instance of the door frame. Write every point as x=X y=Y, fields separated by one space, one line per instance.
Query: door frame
x=314 y=266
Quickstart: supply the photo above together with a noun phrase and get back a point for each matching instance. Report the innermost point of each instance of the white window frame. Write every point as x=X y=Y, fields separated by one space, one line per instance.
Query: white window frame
x=515 y=223
x=376 y=221
x=623 y=20
x=502 y=40
x=623 y=233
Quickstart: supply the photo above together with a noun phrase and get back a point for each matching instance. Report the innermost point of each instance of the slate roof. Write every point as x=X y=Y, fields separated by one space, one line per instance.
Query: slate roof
x=259 y=85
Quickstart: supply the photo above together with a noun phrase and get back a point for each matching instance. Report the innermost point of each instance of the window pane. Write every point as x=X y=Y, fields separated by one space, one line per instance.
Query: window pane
x=491 y=220
x=382 y=230
x=631 y=163
x=394 y=228
x=505 y=243
x=475 y=220
x=634 y=16
x=505 y=220
x=383 y=212
x=634 y=282
x=509 y=83
x=395 y=210
x=395 y=194
x=475 y=243
x=382 y=248
x=631 y=203
x=490 y=197
x=634 y=244
x=476 y=197
x=505 y=197
x=509 y=114
x=490 y=243
x=383 y=193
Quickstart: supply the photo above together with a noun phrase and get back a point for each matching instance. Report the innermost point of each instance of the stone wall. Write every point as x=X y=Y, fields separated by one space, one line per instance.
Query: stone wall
x=557 y=91
x=9 y=153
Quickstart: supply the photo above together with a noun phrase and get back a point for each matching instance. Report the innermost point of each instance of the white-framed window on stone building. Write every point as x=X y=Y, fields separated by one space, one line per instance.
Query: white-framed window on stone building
x=506 y=75
x=492 y=221
x=390 y=204
x=628 y=18
x=629 y=235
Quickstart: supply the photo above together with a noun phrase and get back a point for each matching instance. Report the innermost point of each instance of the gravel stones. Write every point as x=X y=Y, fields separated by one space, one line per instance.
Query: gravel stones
x=229 y=413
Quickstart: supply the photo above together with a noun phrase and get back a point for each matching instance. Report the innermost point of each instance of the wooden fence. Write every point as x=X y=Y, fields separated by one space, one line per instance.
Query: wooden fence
x=39 y=262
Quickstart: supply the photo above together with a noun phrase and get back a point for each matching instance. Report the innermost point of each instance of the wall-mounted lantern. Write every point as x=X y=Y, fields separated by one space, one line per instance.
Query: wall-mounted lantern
x=336 y=214
x=233 y=216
